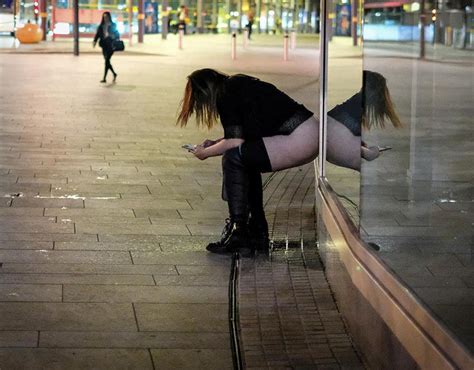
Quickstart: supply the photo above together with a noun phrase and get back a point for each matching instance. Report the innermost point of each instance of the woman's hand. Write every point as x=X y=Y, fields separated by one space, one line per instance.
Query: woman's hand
x=200 y=152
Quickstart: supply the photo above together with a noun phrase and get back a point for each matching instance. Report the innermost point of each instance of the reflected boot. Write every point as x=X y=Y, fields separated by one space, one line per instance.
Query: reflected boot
x=236 y=182
x=258 y=226
x=258 y=230
x=234 y=236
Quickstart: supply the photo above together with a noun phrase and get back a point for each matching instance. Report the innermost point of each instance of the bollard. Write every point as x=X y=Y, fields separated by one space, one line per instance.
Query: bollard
x=234 y=46
x=285 y=48
x=180 y=36
x=293 y=40
x=246 y=38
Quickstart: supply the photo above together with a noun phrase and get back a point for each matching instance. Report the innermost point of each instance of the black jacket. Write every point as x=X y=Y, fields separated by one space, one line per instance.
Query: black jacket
x=113 y=35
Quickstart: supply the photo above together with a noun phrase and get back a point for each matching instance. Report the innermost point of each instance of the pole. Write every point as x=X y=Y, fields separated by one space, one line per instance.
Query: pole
x=293 y=40
x=422 y=29
x=180 y=36
x=285 y=47
x=199 y=16
x=323 y=88
x=53 y=17
x=354 y=22
x=76 y=27
x=130 y=22
x=141 y=20
x=44 y=17
x=234 y=46
x=164 y=20
x=246 y=38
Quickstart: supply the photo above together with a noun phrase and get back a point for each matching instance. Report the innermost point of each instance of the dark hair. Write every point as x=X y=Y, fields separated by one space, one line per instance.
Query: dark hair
x=202 y=90
x=377 y=102
x=103 y=16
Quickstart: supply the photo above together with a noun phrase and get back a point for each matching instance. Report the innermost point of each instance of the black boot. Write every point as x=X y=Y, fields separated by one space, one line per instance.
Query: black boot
x=234 y=237
x=236 y=184
x=258 y=231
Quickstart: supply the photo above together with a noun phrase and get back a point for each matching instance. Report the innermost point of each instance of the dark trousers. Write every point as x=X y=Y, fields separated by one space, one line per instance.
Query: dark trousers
x=107 y=51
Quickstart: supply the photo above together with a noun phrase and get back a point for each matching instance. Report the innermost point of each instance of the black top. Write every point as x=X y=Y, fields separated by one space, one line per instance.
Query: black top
x=251 y=109
x=112 y=35
x=349 y=113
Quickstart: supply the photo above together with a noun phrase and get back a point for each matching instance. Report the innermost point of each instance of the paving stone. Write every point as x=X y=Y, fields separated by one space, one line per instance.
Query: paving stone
x=47 y=256
x=40 y=237
x=16 y=339
x=176 y=317
x=88 y=268
x=23 y=244
x=85 y=212
x=172 y=340
x=47 y=202
x=192 y=280
x=108 y=246
x=82 y=279
x=67 y=316
x=155 y=294
x=185 y=258
x=30 y=292
x=170 y=359
x=75 y=359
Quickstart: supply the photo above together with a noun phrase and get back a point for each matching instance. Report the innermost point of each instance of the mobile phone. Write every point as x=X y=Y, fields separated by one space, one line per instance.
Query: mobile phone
x=188 y=146
x=384 y=148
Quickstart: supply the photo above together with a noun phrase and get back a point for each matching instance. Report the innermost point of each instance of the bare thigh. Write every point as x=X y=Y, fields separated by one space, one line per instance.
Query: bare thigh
x=296 y=149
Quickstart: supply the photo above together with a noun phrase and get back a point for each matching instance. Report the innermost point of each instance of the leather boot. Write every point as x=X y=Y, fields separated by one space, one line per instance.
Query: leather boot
x=258 y=231
x=236 y=184
x=234 y=236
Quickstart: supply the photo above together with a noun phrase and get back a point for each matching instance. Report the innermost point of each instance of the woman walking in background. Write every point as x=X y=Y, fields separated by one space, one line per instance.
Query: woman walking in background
x=106 y=34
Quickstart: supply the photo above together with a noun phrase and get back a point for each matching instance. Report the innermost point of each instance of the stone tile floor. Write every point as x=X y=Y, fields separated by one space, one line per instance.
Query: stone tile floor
x=288 y=316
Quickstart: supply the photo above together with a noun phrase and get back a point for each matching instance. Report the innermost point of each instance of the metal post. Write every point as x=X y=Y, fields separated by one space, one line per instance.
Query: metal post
x=164 y=20
x=422 y=29
x=293 y=40
x=44 y=17
x=53 y=17
x=258 y=13
x=354 y=22
x=180 y=36
x=76 y=27
x=234 y=46
x=285 y=47
x=323 y=89
x=199 y=25
x=141 y=20
x=130 y=22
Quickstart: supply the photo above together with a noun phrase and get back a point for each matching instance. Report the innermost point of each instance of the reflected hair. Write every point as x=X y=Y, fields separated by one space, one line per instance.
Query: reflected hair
x=377 y=102
x=202 y=91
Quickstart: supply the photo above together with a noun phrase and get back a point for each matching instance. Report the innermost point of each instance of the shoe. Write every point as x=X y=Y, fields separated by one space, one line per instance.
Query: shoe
x=115 y=77
x=258 y=231
x=234 y=236
x=103 y=81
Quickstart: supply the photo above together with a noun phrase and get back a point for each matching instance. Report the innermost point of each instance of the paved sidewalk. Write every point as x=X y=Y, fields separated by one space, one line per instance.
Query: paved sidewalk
x=288 y=316
x=104 y=217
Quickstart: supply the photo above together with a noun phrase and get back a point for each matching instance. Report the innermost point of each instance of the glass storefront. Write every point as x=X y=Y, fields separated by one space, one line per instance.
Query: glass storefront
x=412 y=203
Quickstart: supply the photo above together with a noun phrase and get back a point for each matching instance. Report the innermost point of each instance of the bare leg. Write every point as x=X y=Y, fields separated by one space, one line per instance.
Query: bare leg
x=296 y=149
x=343 y=148
x=301 y=147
